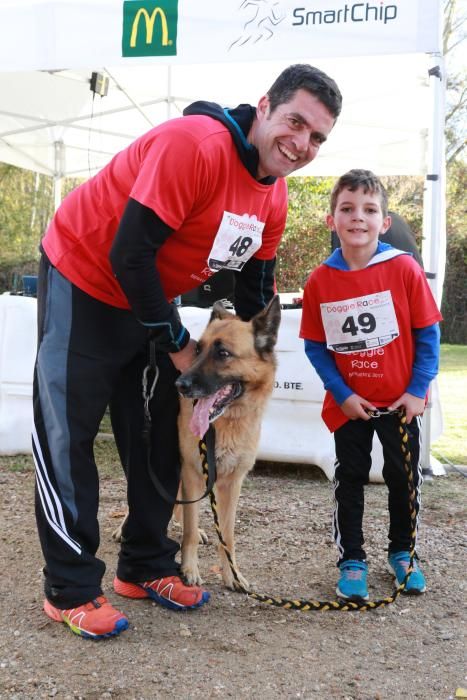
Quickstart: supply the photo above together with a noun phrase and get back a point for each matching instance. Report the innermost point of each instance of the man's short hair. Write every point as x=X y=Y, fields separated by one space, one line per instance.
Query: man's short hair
x=355 y=179
x=302 y=76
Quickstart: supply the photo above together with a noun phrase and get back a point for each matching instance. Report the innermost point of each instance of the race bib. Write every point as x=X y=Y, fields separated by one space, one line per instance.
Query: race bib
x=237 y=239
x=359 y=324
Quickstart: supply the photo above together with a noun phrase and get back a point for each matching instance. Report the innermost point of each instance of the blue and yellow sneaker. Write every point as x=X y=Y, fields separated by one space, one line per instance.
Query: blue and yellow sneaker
x=398 y=563
x=352 y=583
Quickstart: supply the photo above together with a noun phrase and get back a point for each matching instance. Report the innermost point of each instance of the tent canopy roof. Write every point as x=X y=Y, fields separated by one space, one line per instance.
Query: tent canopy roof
x=52 y=123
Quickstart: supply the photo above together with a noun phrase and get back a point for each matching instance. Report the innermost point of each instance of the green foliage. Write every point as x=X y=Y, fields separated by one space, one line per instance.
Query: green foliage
x=454 y=306
x=405 y=197
x=306 y=241
x=26 y=207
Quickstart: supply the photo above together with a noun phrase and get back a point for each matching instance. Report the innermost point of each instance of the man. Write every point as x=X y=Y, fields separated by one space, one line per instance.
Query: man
x=192 y=196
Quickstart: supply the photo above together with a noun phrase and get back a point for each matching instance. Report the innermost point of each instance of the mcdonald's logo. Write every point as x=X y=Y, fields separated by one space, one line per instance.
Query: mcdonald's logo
x=142 y=12
x=150 y=28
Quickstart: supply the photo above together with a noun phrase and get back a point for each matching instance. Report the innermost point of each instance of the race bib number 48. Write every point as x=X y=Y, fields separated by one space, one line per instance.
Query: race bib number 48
x=362 y=323
x=237 y=239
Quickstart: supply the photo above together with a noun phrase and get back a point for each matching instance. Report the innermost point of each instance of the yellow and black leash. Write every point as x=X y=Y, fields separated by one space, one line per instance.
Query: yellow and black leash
x=324 y=605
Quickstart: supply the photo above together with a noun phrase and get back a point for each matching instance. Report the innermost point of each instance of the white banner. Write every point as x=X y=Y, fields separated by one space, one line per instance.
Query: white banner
x=54 y=34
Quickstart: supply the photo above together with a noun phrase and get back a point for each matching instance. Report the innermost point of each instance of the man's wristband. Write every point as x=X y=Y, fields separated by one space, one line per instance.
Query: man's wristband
x=165 y=340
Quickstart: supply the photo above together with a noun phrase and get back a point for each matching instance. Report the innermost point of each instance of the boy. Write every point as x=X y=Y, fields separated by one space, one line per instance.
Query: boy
x=371 y=331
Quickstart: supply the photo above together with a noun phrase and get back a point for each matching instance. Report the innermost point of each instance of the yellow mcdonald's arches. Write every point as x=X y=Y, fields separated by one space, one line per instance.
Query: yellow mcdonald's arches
x=149 y=21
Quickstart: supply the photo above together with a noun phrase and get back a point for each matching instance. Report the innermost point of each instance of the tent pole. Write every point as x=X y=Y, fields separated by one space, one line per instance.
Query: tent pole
x=135 y=104
x=59 y=162
x=434 y=214
x=434 y=217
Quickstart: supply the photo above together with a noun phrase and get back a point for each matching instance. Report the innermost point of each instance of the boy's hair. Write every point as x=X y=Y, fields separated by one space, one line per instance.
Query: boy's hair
x=353 y=180
x=302 y=76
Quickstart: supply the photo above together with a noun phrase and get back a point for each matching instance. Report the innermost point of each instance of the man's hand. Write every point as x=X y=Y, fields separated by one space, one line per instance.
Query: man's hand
x=413 y=405
x=356 y=407
x=184 y=359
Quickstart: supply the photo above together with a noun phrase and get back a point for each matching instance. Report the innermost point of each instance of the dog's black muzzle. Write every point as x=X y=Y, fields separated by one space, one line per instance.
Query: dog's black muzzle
x=190 y=386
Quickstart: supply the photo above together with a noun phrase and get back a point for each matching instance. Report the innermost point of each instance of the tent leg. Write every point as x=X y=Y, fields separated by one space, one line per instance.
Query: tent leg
x=425 y=455
x=58 y=172
x=434 y=218
x=57 y=191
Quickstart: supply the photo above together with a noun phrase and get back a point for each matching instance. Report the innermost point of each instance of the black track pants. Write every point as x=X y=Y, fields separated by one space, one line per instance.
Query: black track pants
x=91 y=355
x=353 y=443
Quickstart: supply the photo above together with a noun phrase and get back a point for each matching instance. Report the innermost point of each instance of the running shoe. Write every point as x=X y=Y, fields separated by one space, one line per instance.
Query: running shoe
x=352 y=582
x=94 y=620
x=398 y=563
x=169 y=591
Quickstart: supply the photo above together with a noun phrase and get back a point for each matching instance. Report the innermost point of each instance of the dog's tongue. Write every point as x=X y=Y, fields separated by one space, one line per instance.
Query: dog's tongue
x=199 y=422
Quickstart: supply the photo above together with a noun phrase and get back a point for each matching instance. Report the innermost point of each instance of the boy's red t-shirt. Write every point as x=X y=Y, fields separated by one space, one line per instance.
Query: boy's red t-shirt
x=383 y=374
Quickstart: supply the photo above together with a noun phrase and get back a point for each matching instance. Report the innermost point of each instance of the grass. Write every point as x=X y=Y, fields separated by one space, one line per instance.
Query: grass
x=17 y=463
x=451 y=446
x=452 y=383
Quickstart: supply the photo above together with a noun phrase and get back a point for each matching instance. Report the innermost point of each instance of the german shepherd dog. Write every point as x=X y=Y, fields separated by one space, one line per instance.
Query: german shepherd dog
x=232 y=379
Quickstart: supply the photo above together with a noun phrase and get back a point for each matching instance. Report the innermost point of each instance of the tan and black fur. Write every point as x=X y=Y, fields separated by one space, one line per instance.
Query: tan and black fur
x=240 y=354
x=236 y=363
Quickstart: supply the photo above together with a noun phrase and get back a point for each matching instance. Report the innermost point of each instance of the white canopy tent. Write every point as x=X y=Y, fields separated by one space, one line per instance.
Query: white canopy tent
x=393 y=115
x=385 y=58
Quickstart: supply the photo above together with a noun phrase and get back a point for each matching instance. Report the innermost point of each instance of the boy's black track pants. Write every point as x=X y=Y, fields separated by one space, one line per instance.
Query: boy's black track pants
x=353 y=442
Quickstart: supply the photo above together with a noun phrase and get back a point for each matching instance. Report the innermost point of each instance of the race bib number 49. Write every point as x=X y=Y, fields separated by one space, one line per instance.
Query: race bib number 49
x=237 y=239
x=362 y=323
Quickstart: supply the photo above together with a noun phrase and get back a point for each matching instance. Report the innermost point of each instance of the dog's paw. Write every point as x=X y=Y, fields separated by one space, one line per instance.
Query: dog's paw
x=117 y=533
x=202 y=537
x=176 y=524
x=232 y=583
x=191 y=575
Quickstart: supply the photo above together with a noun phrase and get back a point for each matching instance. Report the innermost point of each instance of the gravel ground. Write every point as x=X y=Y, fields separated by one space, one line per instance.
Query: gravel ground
x=235 y=647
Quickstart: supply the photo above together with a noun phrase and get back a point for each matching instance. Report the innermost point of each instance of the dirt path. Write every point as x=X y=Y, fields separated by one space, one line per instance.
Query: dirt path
x=234 y=647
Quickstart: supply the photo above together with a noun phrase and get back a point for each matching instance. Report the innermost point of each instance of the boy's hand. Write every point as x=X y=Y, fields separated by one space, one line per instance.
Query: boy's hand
x=356 y=407
x=413 y=405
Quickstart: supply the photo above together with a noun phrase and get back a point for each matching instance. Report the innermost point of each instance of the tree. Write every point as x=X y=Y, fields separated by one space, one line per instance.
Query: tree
x=306 y=241
x=25 y=209
x=454 y=34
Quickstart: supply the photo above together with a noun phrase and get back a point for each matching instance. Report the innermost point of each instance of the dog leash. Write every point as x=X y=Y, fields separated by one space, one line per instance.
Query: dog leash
x=320 y=605
x=209 y=440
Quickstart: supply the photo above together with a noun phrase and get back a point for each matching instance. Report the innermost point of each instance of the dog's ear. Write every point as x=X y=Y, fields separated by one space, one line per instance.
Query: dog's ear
x=219 y=311
x=266 y=326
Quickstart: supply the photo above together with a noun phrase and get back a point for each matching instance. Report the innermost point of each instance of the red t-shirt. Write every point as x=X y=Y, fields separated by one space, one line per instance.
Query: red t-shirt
x=189 y=173
x=380 y=375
